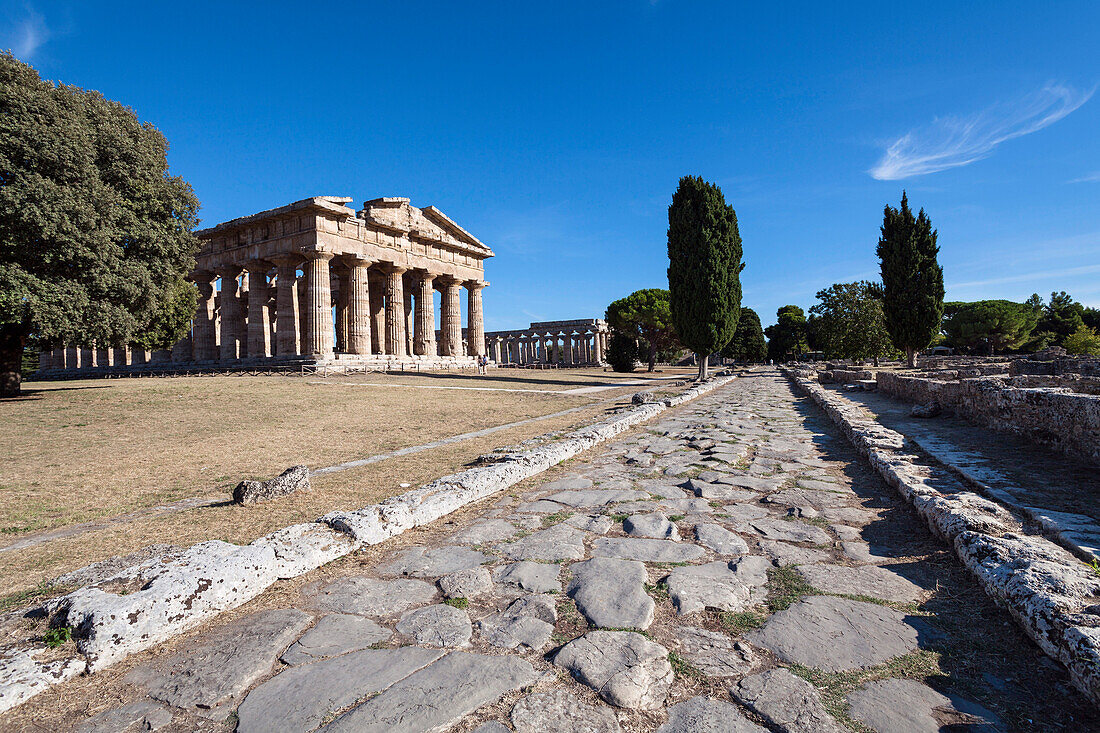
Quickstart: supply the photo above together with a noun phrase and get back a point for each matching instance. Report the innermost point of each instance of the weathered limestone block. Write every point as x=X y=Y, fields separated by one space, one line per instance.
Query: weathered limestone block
x=624 y=668
x=295 y=478
x=22 y=676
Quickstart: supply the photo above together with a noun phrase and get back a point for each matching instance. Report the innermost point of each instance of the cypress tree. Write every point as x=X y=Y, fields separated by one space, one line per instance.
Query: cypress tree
x=912 y=279
x=704 y=254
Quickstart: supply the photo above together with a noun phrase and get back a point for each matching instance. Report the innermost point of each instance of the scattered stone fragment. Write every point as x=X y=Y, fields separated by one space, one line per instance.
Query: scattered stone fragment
x=335 y=634
x=439 y=695
x=703 y=715
x=301 y=697
x=559 y=711
x=595 y=523
x=646 y=550
x=641 y=398
x=715 y=653
x=611 y=594
x=223 y=664
x=786 y=701
x=907 y=706
x=144 y=714
x=295 y=478
x=720 y=539
x=482 y=533
x=930 y=409
x=560 y=542
x=368 y=596
x=528 y=621
x=424 y=562
x=624 y=668
x=469 y=583
x=535 y=577
x=790 y=531
x=864 y=580
x=438 y=625
x=836 y=634
x=654 y=525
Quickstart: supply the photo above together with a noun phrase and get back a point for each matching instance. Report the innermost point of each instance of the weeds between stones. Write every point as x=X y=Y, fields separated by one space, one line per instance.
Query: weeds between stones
x=738 y=622
x=683 y=668
x=659 y=591
x=57 y=637
x=458 y=602
x=785 y=588
x=555 y=518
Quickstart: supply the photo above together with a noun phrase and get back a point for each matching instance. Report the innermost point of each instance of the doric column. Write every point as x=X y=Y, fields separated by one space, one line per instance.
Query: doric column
x=567 y=347
x=557 y=349
x=378 y=313
x=286 y=305
x=407 y=286
x=259 y=327
x=339 y=289
x=317 y=333
x=496 y=349
x=597 y=344
x=424 y=327
x=451 y=307
x=123 y=356
x=205 y=342
x=230 y=310
x=395 y=311
x=104 y=357
x=358 y=305
x=475 y=318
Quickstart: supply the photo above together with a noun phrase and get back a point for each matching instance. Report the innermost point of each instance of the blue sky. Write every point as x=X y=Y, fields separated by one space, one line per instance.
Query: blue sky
x=556 y=132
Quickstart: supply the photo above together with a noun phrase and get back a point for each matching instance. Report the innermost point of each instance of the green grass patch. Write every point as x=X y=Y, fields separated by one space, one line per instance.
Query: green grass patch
x=57 y=637
x=683 y=668
x=555 y=518
x=458 y=602
x=738 y=622
x=785 y=588
x=676 y=517
x=40 y=592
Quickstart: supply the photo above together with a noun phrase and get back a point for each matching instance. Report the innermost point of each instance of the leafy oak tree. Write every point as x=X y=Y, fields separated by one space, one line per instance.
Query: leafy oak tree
x=704 y=270
x=95 y=235
x=645 y=315
x=849 y=322
x=748 y=342
x=912 y=279
x=787 y=336
x=988 y=325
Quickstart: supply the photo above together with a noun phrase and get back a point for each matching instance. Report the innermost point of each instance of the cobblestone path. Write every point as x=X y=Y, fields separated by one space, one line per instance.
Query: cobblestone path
x=731 y=566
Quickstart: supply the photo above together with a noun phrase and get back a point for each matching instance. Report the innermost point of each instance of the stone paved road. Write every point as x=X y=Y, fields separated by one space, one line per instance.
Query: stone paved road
x=731 y=566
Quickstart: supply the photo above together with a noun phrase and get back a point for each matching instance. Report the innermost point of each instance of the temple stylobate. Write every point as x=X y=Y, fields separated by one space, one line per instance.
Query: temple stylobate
x=316 y=282
x=566 y=343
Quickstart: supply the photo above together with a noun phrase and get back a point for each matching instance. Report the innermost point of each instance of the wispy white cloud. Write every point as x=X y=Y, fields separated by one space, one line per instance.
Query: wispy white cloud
x=1089 y=178
x=26 y=35
x=1028 y=277
x=950 y=142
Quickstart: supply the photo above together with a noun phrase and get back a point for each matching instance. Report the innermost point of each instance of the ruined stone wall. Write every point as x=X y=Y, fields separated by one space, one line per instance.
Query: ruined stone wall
x=1064 y=420
x=1056 y=367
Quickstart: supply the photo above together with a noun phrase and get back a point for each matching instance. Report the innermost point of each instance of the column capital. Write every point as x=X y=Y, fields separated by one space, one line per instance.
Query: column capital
x=286 y=260
x=426 y=275
x=392 y=268
x=475 y=284
x=444 y=279
x=318 y=255
x=357 y=260
x=258 y=266
x=231 y=271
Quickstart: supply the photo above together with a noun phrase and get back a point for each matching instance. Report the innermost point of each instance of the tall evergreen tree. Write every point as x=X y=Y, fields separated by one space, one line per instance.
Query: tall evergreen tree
x=95 y=235
x=748 y=342
x=704 y=270
x=912 y=279
x=787 y=337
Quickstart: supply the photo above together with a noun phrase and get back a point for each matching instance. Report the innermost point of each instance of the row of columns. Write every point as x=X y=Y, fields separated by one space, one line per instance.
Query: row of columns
x=568 y=348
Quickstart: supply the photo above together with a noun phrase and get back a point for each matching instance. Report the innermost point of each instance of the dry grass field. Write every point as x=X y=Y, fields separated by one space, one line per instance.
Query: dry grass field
x=88 y=450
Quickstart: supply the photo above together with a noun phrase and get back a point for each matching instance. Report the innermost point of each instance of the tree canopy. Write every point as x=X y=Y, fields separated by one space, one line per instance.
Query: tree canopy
x=704 y=253
x=912 y=279
x=988 y=325
x=95 y=235
x=1083 y=341
x=787 y=337
x=849 y=322
x=748 y=342
x=622 y=352
x=645 y=314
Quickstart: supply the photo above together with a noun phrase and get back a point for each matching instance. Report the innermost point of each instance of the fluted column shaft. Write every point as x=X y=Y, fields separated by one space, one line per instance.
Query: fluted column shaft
x=424 y=331
x=395 y=312
x=475 y=319
x=378 y=316
x=205 y=344
x=358 y=306
x=230 y=310
x=451 y=317
x=286 y=306
x=407 y=285
x=259 y=327
x=318 y=330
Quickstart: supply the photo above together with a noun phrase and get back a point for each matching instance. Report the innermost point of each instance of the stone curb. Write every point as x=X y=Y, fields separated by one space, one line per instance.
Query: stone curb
x=1045 y=588
x=166 y=599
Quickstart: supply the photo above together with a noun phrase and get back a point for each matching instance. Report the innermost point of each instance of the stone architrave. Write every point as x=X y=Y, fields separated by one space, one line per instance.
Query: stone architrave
x=395 y=311
x=358 y=305
x=317 y=333
x=258 y=326
x=424 y=330
x=286 y=305
x=475 y=333
x=229 y=308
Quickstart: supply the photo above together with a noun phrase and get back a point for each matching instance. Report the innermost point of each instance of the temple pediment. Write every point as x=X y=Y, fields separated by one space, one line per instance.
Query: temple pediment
x=430 y=224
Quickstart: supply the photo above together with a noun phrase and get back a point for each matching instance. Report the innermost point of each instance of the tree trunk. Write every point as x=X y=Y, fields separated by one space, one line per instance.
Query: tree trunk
x=652 y=356
x=12 y=341
x=911 y=357
x=702 y=366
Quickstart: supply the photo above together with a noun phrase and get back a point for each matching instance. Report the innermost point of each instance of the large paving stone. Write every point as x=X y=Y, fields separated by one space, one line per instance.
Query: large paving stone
x=224 y=663
x=367 y=596
x=703 y=715
x=646 y=550
x=570 y=483
x=624 y=668
x=485 y=532
x=719 y=492
x=596 y=497
x=715 y=653
x=335 y=634
x=141 y=715
x=655 y=525
x=559 y=711
x=439 y=695
x=864 y=580
x=784 y=553
x=756 y=483
x=804 y=497
x=611 y=594
x=439 y=625
x=594 y=523
x=790 y=531
x=301 y=697
x=713 y=585
x=423 y=562
x=469 y=583
x=536 y=577
x=836 y=634
x=788 y=702
x=528 y=621
x=721 y=540
x=907 y=706
x=560 y=542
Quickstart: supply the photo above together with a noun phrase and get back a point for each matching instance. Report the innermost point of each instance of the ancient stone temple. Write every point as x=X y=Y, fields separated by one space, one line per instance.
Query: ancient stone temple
x=565 y=343
x=316 y=282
